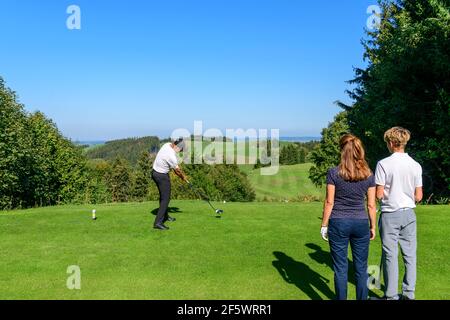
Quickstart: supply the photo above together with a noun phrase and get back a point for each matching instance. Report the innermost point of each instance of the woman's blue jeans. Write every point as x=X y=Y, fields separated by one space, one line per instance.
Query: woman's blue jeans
x=341 y=232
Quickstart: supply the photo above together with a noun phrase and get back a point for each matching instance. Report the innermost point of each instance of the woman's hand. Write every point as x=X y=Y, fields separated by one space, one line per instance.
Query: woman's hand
x=373 y=233
x=324 y=233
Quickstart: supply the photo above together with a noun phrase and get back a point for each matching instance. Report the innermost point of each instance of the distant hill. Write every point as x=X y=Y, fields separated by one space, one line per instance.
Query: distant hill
x=89 y=143
x=129 y=149
x=299 y=139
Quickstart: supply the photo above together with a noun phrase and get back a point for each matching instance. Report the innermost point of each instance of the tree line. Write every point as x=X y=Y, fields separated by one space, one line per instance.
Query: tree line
x=118 y=181
x=129 y=149
x=406 y=83
x=40 y=167
x=290 y=153
x=297 y=152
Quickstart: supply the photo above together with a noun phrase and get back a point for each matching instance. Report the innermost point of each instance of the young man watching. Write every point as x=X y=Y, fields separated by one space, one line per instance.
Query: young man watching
x=399 y=187
x=166 y=160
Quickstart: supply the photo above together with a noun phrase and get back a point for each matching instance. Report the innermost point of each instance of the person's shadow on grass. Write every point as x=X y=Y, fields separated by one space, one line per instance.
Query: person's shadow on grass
x=169 y=210
x=302 y=276
x=324 y=257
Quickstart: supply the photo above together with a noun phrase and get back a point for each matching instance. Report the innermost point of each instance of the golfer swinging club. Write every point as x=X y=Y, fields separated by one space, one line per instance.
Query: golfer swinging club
x=166 y=160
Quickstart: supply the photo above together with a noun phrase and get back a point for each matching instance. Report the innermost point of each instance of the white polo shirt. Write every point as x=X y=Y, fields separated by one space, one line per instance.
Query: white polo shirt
x=400 y=175
x=166 y=159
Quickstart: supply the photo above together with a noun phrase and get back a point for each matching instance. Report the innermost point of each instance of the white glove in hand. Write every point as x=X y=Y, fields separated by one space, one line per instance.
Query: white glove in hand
x=324 y=233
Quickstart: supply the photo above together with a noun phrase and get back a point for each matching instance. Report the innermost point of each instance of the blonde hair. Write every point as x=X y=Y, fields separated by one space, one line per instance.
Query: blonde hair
x=353 y=166
x=398 y=136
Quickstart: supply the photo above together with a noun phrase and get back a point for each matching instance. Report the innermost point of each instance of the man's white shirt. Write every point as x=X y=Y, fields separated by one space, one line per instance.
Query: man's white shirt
x=166 y=159
x=400 y=175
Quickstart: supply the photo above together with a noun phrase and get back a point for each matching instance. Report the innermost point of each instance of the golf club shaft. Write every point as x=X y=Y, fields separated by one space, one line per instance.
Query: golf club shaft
x=202 y=196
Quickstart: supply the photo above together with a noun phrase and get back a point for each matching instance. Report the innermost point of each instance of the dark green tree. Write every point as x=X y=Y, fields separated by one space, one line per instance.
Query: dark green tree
x=301 y=155
x=58 y=171
x=232 y=184
x=292 y=153
x=327 y=154
x=143 y=176
x=15 y=154
x=38 y=166
x=407 y=83
x=97 y=189
x=119 y=180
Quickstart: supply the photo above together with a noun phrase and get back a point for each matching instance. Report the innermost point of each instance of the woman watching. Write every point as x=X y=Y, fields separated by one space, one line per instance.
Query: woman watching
x=345 y=219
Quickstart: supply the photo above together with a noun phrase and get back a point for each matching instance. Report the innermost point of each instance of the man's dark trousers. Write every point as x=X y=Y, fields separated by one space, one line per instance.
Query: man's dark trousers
x=162 y=180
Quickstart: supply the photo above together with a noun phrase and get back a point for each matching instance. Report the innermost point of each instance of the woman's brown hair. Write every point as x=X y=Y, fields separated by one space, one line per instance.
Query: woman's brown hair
x=353 y=166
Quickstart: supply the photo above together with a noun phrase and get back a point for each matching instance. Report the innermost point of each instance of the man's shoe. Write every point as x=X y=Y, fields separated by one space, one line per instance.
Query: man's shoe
x=170 y=219
x=403 y=297
x=160 y=227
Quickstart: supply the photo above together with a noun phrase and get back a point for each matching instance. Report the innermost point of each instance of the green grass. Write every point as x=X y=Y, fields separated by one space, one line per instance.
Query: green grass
x=242 y=153
x=201 y=257
x=290 y=183
x=245 y=153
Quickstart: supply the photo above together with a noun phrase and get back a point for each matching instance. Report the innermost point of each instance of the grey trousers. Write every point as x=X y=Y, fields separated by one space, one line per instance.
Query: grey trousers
x=399 y=228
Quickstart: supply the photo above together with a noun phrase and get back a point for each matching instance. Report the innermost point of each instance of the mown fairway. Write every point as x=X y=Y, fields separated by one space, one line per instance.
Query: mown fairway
x=290 y=183
x=255 y=251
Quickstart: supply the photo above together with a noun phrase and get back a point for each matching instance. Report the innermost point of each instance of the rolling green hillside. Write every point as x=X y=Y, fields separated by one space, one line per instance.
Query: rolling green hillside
x=129 y=149
x=291 y=183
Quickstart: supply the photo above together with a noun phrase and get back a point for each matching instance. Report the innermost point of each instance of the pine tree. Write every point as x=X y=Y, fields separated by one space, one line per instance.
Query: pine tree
x=327 y=154
x=407 y=83
x=143 y=179
x=119 y=180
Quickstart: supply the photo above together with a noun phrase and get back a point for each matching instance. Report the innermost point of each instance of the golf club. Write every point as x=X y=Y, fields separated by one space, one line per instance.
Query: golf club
x=205 y=198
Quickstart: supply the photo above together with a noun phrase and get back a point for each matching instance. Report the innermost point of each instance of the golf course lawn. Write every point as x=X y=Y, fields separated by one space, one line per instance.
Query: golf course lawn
x=290 y=183
x=255 y=251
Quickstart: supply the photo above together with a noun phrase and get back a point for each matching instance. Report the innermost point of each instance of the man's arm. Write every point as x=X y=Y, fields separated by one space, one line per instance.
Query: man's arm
x=173 y=163
x=380 y=181
x=418 y=194
x=180 y=174
x=380 y=192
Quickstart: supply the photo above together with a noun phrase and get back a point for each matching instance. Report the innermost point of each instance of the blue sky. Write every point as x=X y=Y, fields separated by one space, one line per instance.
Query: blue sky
x=148 y=67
